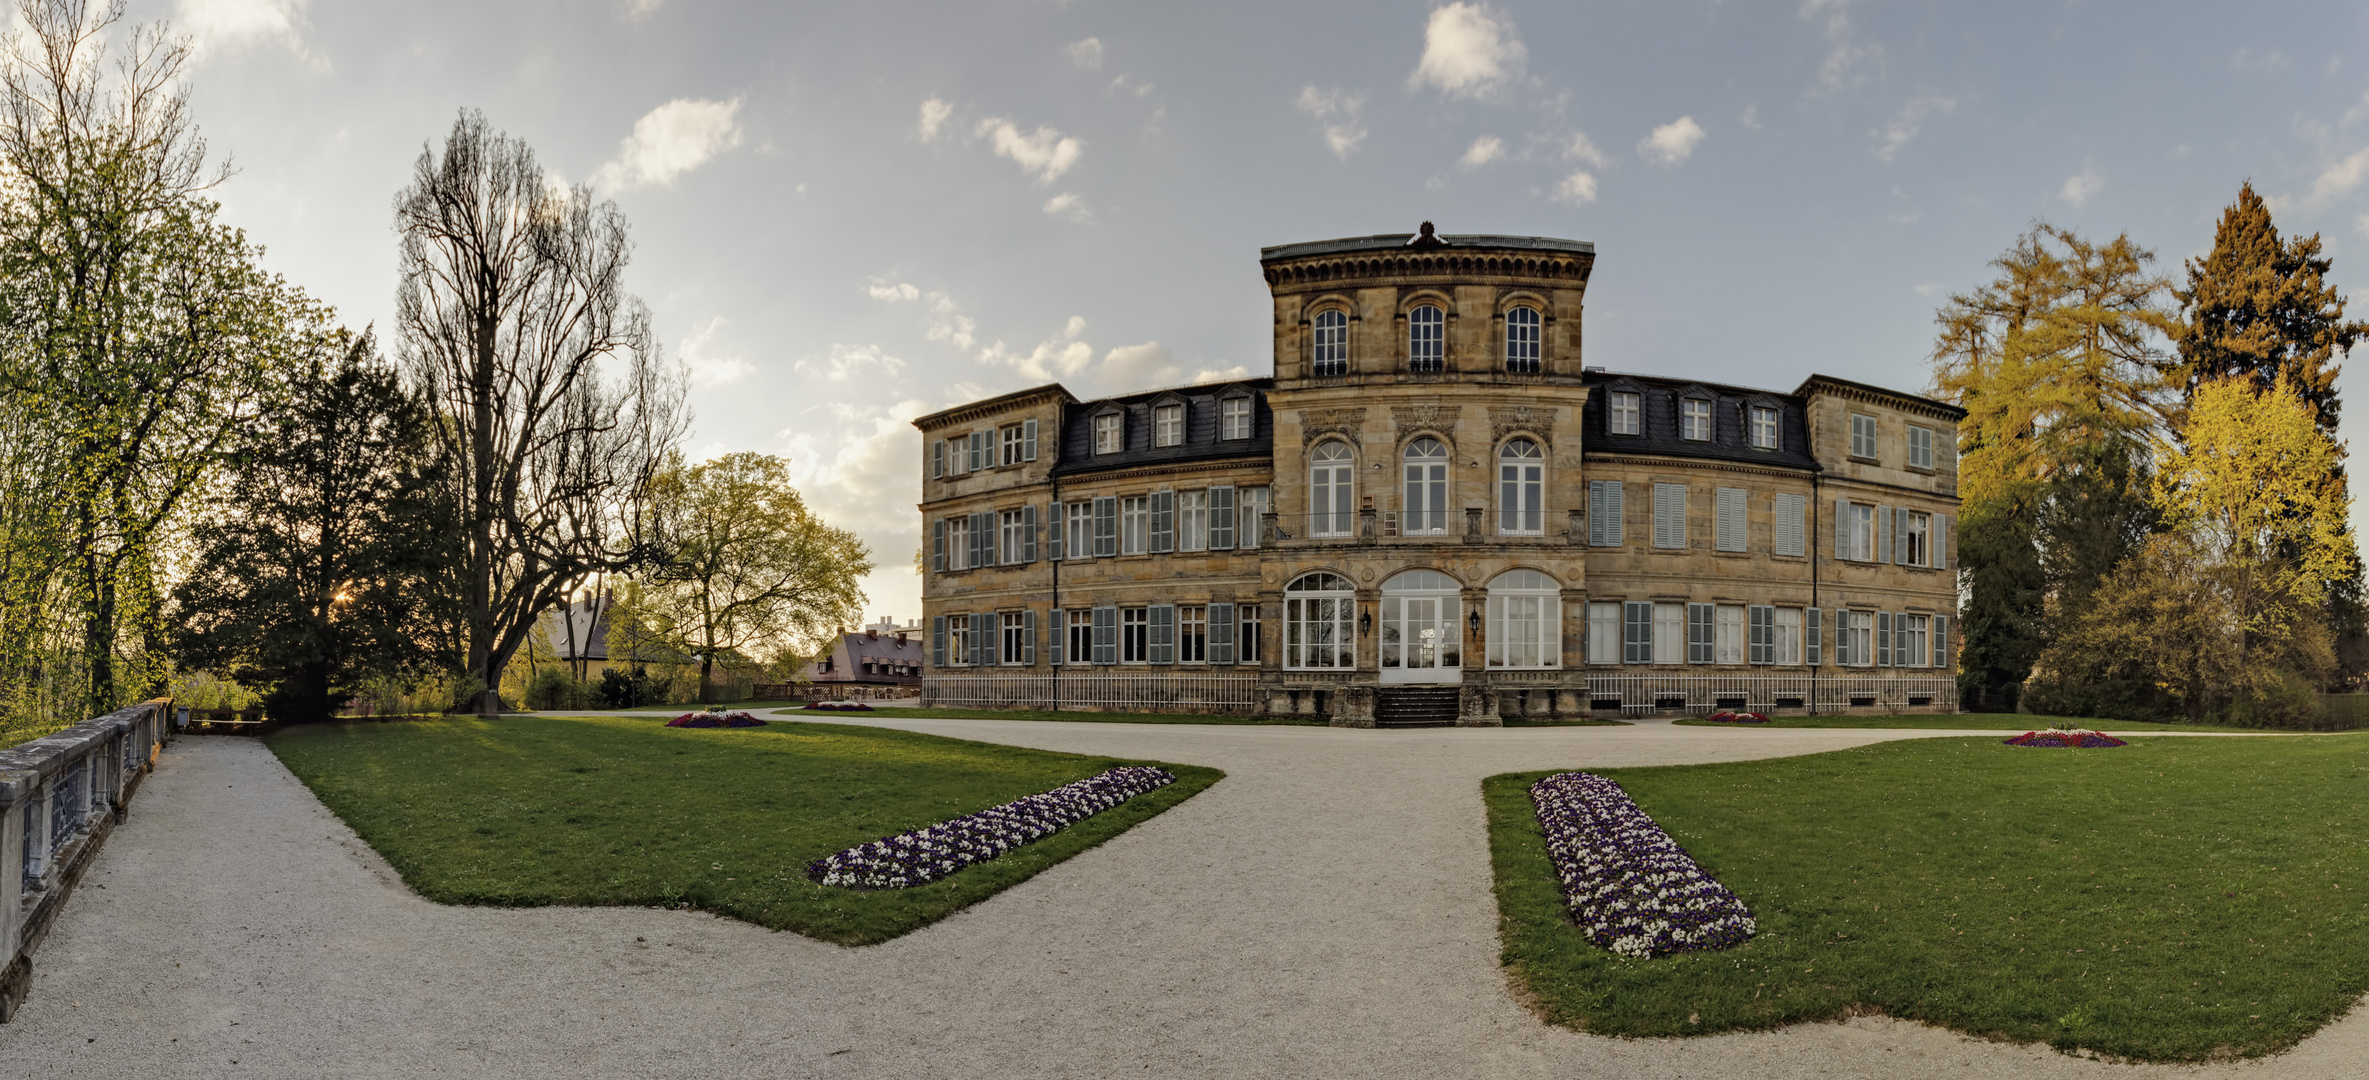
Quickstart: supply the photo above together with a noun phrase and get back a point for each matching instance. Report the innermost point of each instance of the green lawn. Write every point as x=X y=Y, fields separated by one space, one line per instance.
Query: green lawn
x=2014 y=722
x=2175 y=900
x=534 y=810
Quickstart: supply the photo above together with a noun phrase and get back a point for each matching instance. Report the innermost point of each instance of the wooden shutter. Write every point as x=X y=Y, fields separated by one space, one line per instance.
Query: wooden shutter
x=1028 y=636
x=938 y=545
x=1106 y=526
x=1698 y=633
x=1900 y=535
x=1028 y=526
x=1163 y=522
x=1941 y=642
x=937 y=459
x=1842 y=532
x=1813 y=637
x=1763 y=647
x=1053 y=531
x=1636 y=633
x=1163 y=633
x=1842 y=636
x=1941 y=524
x=993 y=634
x=1056 y=635
x=1669 y=515
x=1106 y=635
x=1028 y=440
x=1221 y=633
x=1731 y=519
x=1221 y=518
x=1883 y=639
x=937 y=641
x=1883 y=536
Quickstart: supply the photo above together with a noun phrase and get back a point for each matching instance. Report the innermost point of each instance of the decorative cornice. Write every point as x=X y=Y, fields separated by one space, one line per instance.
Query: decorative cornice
x=1706 y=464
x=1439 y=419
x=1535 y=420
x=1317 y=423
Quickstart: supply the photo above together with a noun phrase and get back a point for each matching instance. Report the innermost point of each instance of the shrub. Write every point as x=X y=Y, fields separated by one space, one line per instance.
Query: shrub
x=620 y=690
x=556 y=688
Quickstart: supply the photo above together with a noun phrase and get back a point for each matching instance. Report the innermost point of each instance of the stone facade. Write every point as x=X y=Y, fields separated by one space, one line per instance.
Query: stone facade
x=1434 y=492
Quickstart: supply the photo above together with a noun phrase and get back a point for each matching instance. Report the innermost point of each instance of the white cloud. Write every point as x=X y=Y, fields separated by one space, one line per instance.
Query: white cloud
x=220 y=24
x=1043 y=153
x=1087 y=54
x=1846 y=60
x=1750 y=118
x=671 y=140
x=1141 y=367
x=948 y=323
x=1905 y=124
x=845 y=361
x=1469 y=51
x=859 y=468
x=1578 y=189
x=1671 y=143
x=1581 y=148
x=2339 y=178
x=1336 y=110
x=1069 y=205
x=883 y=289
x=2081 y=185
x=1484 y=150
x=708 y=369
x=637 y=10
x=2259 y=63
x=1060 y=356
x=933 y=116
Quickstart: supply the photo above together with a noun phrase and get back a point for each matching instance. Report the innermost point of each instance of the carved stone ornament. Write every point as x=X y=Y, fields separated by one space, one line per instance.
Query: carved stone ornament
x=1413 y=418
x=1318 y=423
x=1534 y=419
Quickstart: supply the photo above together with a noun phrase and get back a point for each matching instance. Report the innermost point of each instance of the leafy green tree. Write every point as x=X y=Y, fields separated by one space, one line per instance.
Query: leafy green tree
x=748 y=568
x=317 y=568
x=2262 y=307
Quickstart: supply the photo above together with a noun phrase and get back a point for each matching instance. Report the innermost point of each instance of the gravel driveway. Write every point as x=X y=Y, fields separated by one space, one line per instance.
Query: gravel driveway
x=1323 y=912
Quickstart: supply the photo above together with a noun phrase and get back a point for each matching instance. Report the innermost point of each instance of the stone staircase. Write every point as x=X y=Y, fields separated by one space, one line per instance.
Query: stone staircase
x=1416 y=706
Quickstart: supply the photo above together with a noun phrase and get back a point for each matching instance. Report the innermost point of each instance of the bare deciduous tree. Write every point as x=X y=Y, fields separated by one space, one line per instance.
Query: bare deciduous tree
x=513 y=318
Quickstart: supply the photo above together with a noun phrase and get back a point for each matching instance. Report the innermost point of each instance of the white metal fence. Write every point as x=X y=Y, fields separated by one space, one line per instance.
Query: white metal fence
x=60 y=795
x=1156 y=693
x=1710 y=693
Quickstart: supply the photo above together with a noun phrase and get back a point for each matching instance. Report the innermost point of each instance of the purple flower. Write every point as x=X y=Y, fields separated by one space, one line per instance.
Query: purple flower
x=927 y=854
x=1631 y=888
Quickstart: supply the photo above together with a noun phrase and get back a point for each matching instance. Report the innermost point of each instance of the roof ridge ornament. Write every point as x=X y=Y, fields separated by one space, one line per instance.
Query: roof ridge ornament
x=1426 y=239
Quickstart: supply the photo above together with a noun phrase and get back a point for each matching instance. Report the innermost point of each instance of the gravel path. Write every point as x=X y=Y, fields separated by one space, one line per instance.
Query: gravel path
x=1325 y=911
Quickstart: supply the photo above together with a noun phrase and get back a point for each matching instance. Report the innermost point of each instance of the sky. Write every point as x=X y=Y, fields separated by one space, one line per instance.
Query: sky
x=849 y=215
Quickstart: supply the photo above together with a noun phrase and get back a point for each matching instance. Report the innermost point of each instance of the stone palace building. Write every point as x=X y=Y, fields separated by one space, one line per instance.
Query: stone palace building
x=1434 y=512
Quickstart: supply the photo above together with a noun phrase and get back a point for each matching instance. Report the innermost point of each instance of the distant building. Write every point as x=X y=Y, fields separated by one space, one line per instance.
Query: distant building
x=881 y=655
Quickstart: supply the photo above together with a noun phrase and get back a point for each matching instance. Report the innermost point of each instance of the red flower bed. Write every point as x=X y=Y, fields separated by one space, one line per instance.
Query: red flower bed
x=2066 y=738
x=707 y=720
x=1738 y=718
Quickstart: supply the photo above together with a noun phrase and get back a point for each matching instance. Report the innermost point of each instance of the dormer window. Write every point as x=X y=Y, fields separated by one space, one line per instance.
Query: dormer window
x=1233 y=418
x=1108 y=429
x=1168 y=425
x=1521 y=341
x=1626 y=410
x=1694 y=420
x=1332 y=343
x=1426 y=339
x=1764 y=428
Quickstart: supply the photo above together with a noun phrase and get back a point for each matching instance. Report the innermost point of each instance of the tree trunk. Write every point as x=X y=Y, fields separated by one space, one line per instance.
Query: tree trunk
x=707 y=678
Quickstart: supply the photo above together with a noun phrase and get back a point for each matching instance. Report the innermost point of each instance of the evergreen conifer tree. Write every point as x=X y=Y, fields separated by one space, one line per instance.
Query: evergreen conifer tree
x=2260 y=306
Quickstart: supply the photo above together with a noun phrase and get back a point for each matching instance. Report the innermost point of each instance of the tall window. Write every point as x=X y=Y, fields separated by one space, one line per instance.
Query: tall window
x=1078 y=541
x=1317 y=610
x=1135 y=525
x=1669 y=633
x=1787 y=646
x=1525 y=620
x=1015 y=535
x=1764 y=428
x=1862 y=532
x=1910 y=647
x=1426 y=506
x=1427 y=339
x=958 y=543
x=1332 y=343
x=1250 y=516
x=1331 y=478
x=1079 y=634
x=1521 y=341
x=1918 y=537
x=1168 y=425
x=1521 y=489
x=1012 y=445
x=1858 y=639
x=1135 y=635
x=1603 y=633
x=1694 y=420
x=1246 y=636
x=1017 y=648
x=1920 y=447
x=1107 y=430
x=1192 y=634
x=958 y=640
x=1625 y=411
x=1862 y=436
x=1233 y=418
x=1728 y=643
x=1192 y=520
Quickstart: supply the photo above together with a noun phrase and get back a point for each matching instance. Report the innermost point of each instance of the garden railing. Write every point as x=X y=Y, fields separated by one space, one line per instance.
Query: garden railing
x=1762 y=693
x=1150 y=692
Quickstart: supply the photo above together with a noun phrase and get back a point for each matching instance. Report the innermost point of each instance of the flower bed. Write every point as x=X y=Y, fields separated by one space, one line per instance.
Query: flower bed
x=1737 y=718
x=2066 y=737
x=727 y=719
x=1632 y=889
x=925 y=855
x=831 y=706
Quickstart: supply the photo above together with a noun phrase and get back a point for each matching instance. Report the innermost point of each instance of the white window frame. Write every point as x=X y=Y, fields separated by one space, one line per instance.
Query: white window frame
x=1861 y=626
x=1250 y=515
x=1078 y=542
x=1604 y=633
x=1863 y=532
x=1525 y=622
x=1764 y=427
x=1318 y=629
x=1233 y=418
x=1912 y=644
x=1168 y=425
x=1135 y=635
x=1423 y=506
x=1012 y=644
x=1918 y=538
x=1192 y=634
x=1788 y=637
x=1521 y=489
x=1625 y=412
x=1078 y=628
x=1694 y=419
x=1135 y=525
x=1863 y=436
x=1246 y=634
x=1669 y=633
x=1013 y=445
x=1920 y=447
x=1012 y=530
x=958 y=542
x=1192 y=520
x=1525 y=341
x=958 y=641
x=1329 y=355
x=1427 y=338
x=1110 y=433
x=1333 y=478
x=1727 y=640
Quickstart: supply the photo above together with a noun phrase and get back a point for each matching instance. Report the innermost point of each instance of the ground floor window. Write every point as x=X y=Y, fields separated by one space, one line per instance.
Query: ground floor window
x=1192 y=634
x=1317 y=610
x=1910 y=646
x=1525 y=621
x=1246 y=637
x=1078 y=635
x=1017 y=648
x=1669 y=633
x=1728 y=646
x=1135 y=635
x=1854 y=643
x=1603 y=633
x=958 y=640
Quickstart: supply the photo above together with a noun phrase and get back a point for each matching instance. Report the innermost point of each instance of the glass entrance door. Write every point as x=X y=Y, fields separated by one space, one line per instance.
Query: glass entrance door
x=1420 y=638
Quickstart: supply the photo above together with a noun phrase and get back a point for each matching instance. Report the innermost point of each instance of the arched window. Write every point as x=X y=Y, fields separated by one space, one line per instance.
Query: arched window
x=1521 y=341
x=1427 y=339
x=1332 y=343
x=1317 y=609
x=1521 y=489
x=1331 y=480
x=1426 y=506
x=1525 y=621
x=1422 y=628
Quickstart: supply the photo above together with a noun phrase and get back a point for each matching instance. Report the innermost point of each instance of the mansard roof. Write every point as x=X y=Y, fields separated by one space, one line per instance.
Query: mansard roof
x=1201 y=428
x=1731 y=433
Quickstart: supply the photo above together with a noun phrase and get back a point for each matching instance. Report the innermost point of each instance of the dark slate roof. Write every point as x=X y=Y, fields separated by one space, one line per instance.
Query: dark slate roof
x=1731 y=437
x=1200 y=441
x=854 y=649
x=1395 y=241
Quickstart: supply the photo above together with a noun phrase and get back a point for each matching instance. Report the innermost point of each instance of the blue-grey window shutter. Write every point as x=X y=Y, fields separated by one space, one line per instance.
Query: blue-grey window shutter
x=1842 y=534
x=1941 y=524
x=1813 y=637
x=1698 y=633
x=1106 y=635
x=938 y=545
x=1163 y=633
x=1636 y=633
x=1842 y=637
x=1941 y=642
x=1053 y=535
x=1028 y=441
x=1900 y=535
x=1028 y=637
x=1883 y=639
x=990 y=635
x=1883 y=535
x=1106 y=526
x=1028 y=533
x=1763 y=647
x=1056 y=638
x=937 y=641
x=1604 y=513
x=1163 y=522
x=1221 y=518
x=1221 y=633
x=937 y=458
